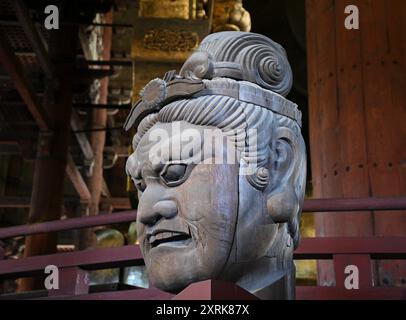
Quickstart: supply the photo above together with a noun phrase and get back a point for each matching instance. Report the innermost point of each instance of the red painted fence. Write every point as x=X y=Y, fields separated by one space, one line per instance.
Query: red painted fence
x=343 y=251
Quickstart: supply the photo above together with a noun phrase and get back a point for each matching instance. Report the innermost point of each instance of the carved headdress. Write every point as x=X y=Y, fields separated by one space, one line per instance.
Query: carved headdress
x=259 y=65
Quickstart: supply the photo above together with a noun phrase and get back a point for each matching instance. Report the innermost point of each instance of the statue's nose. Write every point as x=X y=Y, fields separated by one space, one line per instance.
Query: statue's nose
x=151 y=209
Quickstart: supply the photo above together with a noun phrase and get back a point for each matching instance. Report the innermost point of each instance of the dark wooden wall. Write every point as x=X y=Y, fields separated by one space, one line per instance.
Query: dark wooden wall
x=357 y=115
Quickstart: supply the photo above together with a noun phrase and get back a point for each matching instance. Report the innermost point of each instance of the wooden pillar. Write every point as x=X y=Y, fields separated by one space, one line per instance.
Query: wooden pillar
x=97 y=140
x=357 y=111
x=50 y=165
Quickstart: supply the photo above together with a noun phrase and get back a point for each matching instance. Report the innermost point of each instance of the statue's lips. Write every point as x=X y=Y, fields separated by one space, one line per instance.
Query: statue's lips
x=168 y=237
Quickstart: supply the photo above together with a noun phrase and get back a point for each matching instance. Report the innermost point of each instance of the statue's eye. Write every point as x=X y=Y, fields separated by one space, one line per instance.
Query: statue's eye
x=140 y=184
x=174 y=174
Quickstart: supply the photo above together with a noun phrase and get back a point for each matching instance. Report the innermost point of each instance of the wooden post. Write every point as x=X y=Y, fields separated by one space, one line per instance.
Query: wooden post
x=361 y=261
x=356 y=105
x=72 y=281
x=97 y=141
x=50 y=165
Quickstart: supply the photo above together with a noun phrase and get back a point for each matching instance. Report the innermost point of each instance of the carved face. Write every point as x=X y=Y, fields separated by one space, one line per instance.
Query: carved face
x=187 y=212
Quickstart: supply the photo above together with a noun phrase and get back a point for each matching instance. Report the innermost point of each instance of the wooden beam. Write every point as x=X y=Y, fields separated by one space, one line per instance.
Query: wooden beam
x=52 y=158
x=83 y=142
x=122 y=203
x=77 y=180
x=15 y=202
x=47 y=67
x=96 y=182
x=35 y=39
x=68 y=224
x=376 y=247
x=105 y=189
x=134 y=294
x=118 y=203
x=14 y=69
x=125 y=256
x=335 y=293
x=354 y=204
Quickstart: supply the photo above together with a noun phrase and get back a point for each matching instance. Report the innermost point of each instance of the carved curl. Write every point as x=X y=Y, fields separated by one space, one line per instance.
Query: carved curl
x=257 y=58
x=267 y=67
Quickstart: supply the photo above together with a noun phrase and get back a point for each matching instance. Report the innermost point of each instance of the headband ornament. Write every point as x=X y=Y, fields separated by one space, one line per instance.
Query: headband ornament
x=259 y=66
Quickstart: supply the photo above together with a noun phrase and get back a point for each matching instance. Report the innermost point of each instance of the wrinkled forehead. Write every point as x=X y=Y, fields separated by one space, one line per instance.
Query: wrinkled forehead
x=181 y=141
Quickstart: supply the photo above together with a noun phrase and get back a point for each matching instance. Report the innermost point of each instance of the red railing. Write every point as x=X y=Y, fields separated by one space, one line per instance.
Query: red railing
x=73 y=266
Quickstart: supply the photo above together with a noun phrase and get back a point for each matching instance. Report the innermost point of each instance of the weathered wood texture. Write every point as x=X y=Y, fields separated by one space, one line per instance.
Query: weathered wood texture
x=50 y=165
x=357 y=112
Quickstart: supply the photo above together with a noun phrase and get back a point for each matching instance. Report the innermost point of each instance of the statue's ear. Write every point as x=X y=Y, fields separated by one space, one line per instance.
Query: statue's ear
x=288 y=174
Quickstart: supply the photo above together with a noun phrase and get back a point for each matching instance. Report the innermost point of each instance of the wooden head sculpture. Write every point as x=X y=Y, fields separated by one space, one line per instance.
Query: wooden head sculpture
x=220 y=164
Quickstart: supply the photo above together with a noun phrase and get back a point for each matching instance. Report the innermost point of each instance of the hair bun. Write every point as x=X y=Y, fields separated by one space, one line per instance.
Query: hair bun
x=259 y=59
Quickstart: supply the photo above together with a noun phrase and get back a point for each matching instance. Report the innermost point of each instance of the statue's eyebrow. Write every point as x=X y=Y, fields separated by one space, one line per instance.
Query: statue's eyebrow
x=136 y=167
x=134 y=172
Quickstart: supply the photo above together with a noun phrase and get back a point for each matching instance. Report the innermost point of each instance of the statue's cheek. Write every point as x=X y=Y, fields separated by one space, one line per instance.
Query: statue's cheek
x=195 y=196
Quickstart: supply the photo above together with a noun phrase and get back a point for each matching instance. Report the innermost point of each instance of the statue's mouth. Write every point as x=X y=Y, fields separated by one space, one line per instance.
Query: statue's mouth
x=168 y=237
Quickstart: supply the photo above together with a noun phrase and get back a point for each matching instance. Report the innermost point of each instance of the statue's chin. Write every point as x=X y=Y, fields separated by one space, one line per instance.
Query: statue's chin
x=174 y=281
x=174 y=287
x=172 y=266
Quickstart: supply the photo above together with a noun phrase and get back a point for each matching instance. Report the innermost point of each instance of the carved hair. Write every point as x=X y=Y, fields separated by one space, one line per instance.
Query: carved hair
x=230 y=116
x=243 y=56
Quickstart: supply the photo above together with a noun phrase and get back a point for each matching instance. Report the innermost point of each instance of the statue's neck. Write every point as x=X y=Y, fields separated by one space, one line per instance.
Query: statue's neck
x=269 y=280
x=271 y=276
